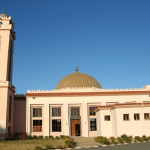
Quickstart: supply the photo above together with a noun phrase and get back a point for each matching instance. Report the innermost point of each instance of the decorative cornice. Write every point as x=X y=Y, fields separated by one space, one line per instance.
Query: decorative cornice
x=122 y=105
x=68 y=94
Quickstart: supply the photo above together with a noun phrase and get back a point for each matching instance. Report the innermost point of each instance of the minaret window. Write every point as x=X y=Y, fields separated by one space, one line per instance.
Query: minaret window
x=10 y=62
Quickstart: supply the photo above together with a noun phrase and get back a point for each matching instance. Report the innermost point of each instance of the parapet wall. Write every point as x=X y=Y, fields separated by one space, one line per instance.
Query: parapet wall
x=90 y=89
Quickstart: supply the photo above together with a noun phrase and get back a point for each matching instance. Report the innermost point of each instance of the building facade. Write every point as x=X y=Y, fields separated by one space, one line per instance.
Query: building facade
x=78 y=106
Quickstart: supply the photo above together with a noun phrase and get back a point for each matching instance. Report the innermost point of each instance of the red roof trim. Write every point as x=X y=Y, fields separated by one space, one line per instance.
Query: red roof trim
x=113 y=93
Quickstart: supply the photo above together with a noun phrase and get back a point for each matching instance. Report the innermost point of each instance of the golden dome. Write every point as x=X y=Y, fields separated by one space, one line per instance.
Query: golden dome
x=78 y=80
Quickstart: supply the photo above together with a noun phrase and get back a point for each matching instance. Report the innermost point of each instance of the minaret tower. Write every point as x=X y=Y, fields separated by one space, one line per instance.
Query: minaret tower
x=7 y=90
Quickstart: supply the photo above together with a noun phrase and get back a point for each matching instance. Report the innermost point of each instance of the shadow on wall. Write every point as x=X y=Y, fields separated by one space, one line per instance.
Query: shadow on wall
x=2 y=130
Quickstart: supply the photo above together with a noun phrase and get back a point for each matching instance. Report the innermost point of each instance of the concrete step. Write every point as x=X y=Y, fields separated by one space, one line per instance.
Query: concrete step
x=85 y=142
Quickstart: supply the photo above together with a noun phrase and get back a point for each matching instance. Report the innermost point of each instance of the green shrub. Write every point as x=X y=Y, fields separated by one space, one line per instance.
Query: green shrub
x=46 y=137
x=69 y=142
x=119 y=139
x=104 y=138
x=49 y=147
x=99 y=140
x=124 y=137
x=148 y=137
x=144 y=138
x=57 y=137
x=130 y=137
x=29 y=138
x=112 y=138
x=35 y=137
x=62 y=136
x=114 y=142
x=67 y=136
x=137 y=138
x=51 y=137
x=106 y=142
x=40 y=137
x=38 y=148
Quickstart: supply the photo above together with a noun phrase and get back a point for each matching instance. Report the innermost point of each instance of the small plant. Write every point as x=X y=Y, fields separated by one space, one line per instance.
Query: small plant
x=137 y=138
x=46 y=137
x=57 y=137
x=38 y=148
x=29 y=138
x=106 y=142
x=112 y=138
x=130 y=137
x=124 y=137
x=114 y=142
x=51 y=137
x=62 y=136
x=40 y=137
x=144 y=138
x=23 y=136
x=35 y=137
x=49 y=147
x=119 y=140
x=99 y=139
x=104 y=138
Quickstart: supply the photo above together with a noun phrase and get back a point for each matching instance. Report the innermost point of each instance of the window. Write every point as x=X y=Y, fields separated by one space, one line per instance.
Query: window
x=93 y=124
x=146 y=116
x=107 y=118
x=75 y=111
x=56 y=112
x=126 y=117
x=56 y=125
x=136 y=116
x=37 y=125
x=10 y=63
x=10 y=109
x=37 y=112
x=91 y=110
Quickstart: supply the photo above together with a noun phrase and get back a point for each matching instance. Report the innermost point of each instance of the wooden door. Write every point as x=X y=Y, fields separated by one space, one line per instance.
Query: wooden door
x=73 y=126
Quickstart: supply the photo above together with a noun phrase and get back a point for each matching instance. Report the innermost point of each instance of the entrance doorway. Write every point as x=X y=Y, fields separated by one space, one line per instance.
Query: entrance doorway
x=75 y=127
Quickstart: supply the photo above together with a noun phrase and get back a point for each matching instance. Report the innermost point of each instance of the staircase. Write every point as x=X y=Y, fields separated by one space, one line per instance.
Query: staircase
x=84 y=142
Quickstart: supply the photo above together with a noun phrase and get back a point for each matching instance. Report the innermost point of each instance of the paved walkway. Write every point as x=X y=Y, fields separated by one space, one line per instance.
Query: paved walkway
x=84 y=142
x=135 y=146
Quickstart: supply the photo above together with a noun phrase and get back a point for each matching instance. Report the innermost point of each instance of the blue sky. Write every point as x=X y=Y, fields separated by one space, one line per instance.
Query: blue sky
x=107 y=39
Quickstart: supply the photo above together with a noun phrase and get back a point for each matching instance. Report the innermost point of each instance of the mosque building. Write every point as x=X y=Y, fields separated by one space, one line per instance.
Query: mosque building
x=78 y=106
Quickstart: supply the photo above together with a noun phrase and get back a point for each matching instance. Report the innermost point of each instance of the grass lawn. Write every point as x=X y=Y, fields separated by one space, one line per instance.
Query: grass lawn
x=30 y=144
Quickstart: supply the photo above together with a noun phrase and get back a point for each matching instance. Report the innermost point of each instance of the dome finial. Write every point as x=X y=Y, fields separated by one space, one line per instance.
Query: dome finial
x=76 y=68
x=3 y=11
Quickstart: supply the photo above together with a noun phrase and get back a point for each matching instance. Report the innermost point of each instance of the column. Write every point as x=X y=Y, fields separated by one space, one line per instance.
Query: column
x=45 y=123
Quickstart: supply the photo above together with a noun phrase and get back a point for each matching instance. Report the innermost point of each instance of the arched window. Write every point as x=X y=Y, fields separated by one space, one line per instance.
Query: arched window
x=10 y=109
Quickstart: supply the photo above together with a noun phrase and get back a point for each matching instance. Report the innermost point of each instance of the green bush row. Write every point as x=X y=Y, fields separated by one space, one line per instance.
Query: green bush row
x=123 y=139
x=46 y=137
